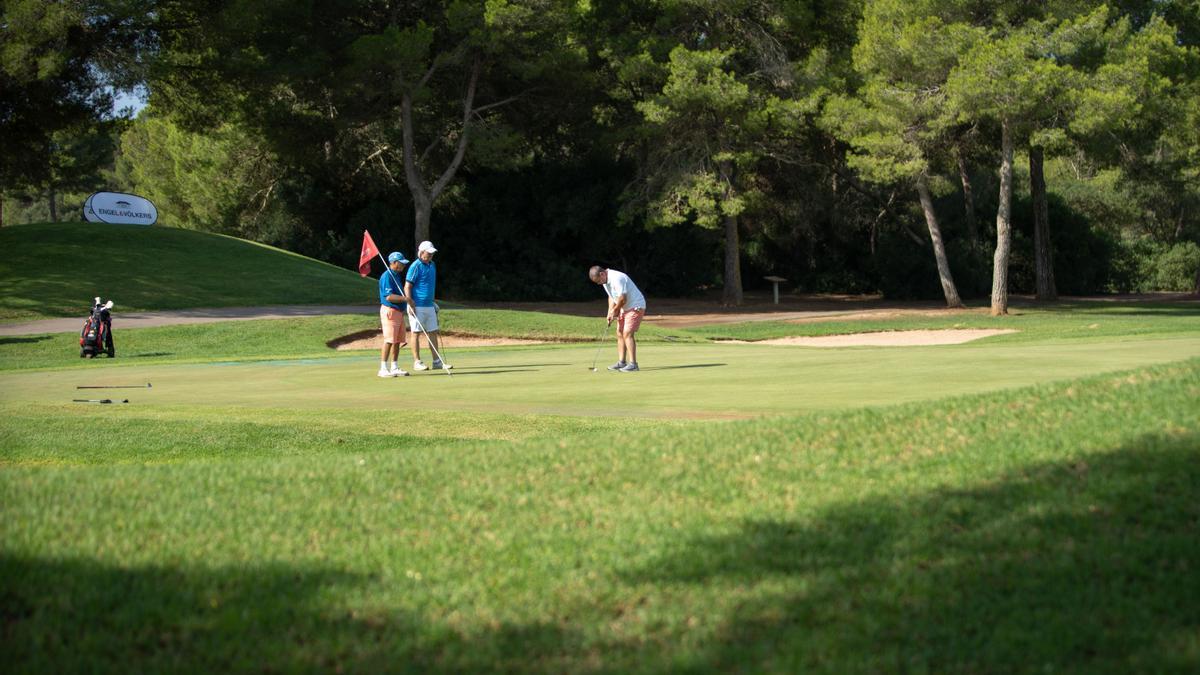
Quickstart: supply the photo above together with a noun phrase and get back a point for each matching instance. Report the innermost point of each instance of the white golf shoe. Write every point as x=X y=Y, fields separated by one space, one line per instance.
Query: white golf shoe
x=384 y=372
x=396 y=371
x=419 y=366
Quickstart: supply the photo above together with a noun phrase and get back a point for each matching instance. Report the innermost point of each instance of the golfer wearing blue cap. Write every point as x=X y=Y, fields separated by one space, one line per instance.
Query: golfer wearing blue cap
x=392 y=306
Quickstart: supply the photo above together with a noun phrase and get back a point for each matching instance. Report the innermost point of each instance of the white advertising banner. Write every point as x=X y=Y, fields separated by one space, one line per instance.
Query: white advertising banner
x=119 y=208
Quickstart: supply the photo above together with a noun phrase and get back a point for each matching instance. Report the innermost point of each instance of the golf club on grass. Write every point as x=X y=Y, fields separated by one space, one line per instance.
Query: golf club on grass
x=603 y=334
x=413 y=315
x=437 y=311
x=99 y=400
x=114 y=386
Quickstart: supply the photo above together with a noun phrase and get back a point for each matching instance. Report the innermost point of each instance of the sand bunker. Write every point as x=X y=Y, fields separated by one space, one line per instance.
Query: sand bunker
x=373 y=339
x=894 y=338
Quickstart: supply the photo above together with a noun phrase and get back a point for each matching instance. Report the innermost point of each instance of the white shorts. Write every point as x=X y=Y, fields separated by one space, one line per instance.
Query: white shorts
x=427 y=316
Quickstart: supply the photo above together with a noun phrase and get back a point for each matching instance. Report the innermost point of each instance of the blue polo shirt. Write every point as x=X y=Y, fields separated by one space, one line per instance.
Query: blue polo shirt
x=423 y=277
x=389 y=284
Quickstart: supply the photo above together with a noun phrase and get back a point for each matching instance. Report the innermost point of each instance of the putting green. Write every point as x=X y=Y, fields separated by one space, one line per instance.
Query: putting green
x=677 y=380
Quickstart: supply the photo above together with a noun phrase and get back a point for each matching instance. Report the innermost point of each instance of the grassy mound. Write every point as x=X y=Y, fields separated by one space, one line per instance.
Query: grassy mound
x=52 y=270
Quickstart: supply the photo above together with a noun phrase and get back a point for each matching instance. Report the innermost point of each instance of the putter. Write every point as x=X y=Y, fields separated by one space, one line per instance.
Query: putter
x=603 y=334
x=99 y=400
x=437 y=311
x=114 y=386
x=436 y=353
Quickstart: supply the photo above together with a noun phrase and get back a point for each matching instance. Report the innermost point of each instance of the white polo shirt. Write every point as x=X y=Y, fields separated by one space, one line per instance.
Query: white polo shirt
x=619 y=284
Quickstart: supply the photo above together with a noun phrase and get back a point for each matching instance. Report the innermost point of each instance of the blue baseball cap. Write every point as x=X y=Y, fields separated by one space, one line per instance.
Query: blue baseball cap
x=397 y=256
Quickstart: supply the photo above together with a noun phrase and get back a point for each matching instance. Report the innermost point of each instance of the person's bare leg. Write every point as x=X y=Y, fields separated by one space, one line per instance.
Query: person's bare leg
x=416 y=345
x=620 y=349
x=631 y=347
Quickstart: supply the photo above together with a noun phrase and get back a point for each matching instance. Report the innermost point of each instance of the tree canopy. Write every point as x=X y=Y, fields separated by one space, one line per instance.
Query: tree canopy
x=695 y=143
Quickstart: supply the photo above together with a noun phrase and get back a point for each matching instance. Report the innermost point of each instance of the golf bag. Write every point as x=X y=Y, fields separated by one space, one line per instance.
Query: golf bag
x=96 y=336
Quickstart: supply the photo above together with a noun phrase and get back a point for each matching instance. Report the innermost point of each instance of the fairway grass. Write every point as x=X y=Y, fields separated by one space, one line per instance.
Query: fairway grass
x=1026 y=502
x=1044 y=528
x=710 y=381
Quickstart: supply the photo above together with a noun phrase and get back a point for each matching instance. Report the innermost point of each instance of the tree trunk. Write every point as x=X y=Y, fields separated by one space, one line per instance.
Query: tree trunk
x=732 y=294
x=968 y=199
x=1043 y=253
x=424 y=196
x=1003 y=224
x=939 y=248
x=422 y=211
x=53 y=206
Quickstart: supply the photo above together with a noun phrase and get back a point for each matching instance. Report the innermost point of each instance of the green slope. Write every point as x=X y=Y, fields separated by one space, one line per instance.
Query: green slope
x=52 y=270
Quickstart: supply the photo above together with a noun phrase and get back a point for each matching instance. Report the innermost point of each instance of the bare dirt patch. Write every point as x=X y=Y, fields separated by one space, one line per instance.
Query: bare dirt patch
x=893 y=338
x=373 y=339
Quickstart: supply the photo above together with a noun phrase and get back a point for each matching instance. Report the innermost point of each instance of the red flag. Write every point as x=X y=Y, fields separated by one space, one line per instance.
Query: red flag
x=369 y=251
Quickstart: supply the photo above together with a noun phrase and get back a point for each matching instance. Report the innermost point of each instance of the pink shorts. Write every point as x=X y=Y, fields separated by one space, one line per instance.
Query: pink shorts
x=630 y=321
x=393 y=325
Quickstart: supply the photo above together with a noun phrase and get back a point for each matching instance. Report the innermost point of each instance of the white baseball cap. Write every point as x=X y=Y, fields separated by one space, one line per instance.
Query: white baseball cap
x=426 y=246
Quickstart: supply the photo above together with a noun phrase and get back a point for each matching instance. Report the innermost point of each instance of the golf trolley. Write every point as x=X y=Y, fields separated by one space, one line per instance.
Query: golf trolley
x=96 y=336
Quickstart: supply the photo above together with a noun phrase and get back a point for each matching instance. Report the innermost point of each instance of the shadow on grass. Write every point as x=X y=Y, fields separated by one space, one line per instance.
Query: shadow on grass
x=1085 y=566
x=498 y=371
x=82 y=616
x=9 y=340
x=690 y=365
x=1091 y=566
x=515 y=365
x=1186 y=308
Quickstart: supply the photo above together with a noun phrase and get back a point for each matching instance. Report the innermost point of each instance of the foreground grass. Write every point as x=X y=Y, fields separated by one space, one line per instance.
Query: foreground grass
x=39 y=434
x=149 y=268
x=1046 y=528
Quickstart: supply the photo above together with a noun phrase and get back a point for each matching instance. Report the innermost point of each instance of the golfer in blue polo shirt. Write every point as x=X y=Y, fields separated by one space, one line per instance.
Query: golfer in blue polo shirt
x=392 y=304
x=419 y=287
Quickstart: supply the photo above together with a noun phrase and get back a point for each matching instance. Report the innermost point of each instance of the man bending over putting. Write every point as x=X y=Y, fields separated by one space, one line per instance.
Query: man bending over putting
x=419 y=286
x=392 y=304
x=627 y=305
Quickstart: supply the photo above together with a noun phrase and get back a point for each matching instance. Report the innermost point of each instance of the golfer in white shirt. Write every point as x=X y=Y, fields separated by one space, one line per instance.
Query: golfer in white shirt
x=627 y=306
